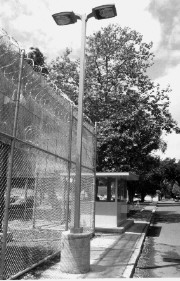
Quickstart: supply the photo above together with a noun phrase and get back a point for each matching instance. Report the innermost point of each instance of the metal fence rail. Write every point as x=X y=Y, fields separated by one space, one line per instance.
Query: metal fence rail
x=37 y=164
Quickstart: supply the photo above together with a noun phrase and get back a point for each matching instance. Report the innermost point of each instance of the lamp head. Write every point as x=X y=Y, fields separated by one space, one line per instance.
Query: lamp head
x=104 y=12
x=65 y=18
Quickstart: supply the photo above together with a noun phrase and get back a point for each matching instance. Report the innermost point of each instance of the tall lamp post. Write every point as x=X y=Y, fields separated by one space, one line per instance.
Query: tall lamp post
x=66 y=18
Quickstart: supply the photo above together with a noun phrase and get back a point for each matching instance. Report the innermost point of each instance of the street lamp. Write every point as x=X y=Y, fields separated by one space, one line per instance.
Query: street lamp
x=65 y=18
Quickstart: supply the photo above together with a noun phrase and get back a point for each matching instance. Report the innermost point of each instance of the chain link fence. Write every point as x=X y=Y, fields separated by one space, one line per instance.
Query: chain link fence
x=38 y=127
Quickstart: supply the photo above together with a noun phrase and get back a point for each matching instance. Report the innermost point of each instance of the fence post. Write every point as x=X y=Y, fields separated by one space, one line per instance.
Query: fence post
x=35 y=199
x=25 y=197
x=69 y=164
x=10 y=169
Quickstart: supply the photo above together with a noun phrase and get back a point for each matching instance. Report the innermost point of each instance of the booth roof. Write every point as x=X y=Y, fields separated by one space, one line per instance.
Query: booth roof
x=124 y=175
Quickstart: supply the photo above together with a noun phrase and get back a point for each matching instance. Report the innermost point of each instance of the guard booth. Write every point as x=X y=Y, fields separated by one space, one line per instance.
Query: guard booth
x=111 y=198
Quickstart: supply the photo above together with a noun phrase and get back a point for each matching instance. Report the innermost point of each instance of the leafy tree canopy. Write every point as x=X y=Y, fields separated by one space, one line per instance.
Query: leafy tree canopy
x=63 y=72
x=163 y=176
x=37 y=60
x=176 y=189
x=131 y=110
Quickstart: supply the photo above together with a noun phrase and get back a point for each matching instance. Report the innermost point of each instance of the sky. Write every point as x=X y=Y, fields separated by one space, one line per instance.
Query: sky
x=31 y=24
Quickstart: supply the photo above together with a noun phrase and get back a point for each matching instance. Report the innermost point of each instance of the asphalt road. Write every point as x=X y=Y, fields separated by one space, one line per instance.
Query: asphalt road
x=160 y=257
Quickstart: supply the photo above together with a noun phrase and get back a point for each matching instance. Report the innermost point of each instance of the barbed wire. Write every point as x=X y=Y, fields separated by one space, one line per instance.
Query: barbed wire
x=49 y=86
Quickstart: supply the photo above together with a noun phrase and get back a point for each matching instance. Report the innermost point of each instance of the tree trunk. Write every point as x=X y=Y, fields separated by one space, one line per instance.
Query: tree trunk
x=131 y=191
x=142 y=196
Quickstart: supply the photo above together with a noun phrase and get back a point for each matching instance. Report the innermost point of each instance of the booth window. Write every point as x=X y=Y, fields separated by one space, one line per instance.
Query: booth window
x=122 y=190
x=105 y=189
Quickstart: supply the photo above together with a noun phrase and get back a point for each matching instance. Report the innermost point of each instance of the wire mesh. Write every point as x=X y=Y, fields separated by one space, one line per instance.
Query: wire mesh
x=43 y=172
x=87 y=200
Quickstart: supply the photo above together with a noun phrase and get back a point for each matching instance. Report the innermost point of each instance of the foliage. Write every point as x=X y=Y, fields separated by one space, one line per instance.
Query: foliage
x=63 y=72
x=157 y=175
x=37 y=60
x=162 y=176
x=176 y=189
x=148 y=177
x=130 y=122
x=169 y=171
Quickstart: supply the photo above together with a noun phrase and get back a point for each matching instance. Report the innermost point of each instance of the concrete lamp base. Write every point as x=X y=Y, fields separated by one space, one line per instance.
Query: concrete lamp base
x=75 y=252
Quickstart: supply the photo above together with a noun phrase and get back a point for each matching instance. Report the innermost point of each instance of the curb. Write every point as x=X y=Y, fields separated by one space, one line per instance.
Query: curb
x=129 y=270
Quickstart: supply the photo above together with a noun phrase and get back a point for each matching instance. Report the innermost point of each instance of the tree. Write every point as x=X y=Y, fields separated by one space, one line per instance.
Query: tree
x=162 y=176
x=131 y=121
x=63 y=72
x=149 y=177
x=176 y=189
x=169 y=171
x=37 y=60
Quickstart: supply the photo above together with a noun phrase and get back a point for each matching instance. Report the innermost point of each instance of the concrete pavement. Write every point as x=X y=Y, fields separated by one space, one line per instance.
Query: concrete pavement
x=113 y=255
x=160 y=257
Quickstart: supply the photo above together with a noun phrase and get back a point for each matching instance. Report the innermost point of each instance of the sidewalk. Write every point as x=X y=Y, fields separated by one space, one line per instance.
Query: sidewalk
x=113 y=255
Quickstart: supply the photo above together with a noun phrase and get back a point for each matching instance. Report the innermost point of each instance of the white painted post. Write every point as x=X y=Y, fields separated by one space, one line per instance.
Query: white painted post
x=76 y=227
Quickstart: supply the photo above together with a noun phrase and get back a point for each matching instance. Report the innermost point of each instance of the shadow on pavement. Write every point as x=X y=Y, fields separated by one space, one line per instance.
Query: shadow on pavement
x=142 y=215
x=137 y=228
x=158 y=266
x=166 y=204
x=154 y=231
x=171 y=260
x=97 y=268
x=166 y=217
